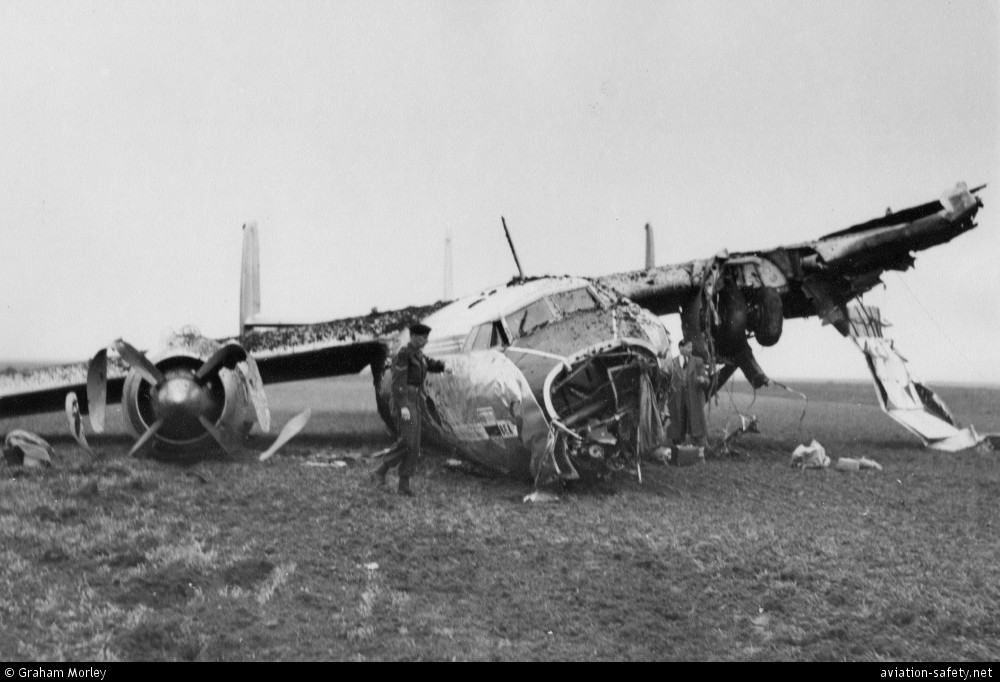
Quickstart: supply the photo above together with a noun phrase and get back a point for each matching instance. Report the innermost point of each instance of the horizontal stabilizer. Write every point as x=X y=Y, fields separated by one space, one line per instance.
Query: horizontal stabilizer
x=906 y=400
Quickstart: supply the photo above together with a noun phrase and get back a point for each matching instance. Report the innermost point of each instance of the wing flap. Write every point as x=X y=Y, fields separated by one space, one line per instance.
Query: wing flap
x=904 y=399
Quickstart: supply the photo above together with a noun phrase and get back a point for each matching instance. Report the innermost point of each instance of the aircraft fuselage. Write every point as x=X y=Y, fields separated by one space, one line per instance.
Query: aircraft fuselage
x=552 y=352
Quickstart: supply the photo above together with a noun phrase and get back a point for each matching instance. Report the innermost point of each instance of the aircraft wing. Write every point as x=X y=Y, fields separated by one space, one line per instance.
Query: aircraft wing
x=44 y=389
x=283 y=352
x=812 y=278
x=729 y=298
x=292 y=352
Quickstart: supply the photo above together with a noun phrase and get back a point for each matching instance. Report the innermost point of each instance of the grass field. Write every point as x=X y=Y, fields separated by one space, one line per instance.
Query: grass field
x=298 y=559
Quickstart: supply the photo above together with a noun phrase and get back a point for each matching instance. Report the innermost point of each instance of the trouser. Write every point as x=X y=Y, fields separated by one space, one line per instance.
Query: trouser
x=406 y=450
x=680 y=430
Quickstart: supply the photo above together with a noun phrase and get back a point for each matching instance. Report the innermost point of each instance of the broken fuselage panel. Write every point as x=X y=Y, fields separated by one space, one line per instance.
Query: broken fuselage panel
x=530 y=358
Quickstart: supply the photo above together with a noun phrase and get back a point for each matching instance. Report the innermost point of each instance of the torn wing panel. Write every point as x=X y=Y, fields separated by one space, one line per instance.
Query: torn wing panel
x=901 y=396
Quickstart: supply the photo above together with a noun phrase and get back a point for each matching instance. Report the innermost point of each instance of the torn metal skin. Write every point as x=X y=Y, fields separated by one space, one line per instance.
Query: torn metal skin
x=732 y=298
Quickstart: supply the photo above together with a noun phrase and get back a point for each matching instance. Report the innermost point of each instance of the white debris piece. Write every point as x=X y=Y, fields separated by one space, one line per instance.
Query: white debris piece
x=847 y=464
x=540 y=497
x=852 y=464
x=23 y=448
x=869 y=464
x=812 y=456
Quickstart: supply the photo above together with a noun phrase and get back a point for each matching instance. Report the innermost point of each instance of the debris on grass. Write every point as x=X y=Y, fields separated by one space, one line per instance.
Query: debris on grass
x=23 y=448
x=812 y=456
x=541 y=497
x=851 y=464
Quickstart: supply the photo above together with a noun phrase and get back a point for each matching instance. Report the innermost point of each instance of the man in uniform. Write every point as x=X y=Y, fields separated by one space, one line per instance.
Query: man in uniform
x=688 y=381
x=409 y=369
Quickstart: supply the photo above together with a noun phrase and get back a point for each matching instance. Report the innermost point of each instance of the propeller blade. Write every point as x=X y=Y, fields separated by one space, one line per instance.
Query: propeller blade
x=227 y=357
x=221 y=437
x=294 y=425
x=97 y=389
x=76 y=421
x=139 y=362
x=145 y=438
x=258 y=397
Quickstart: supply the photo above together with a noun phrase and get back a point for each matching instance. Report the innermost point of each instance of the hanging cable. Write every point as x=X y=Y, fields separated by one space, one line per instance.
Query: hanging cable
x=931 y=318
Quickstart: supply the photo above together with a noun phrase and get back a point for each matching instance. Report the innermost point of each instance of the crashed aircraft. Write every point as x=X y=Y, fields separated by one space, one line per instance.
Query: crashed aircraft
x=559 y=377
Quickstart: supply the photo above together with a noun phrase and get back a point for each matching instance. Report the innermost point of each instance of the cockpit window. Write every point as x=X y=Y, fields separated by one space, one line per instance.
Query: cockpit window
x=525 y=320
x=485 y=336
x=570 y=302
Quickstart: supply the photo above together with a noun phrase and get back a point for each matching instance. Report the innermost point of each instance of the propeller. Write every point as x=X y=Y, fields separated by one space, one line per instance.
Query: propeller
x=227 y=357
x=221 y=435
x=76 y=421
x=140 y=363
x=257 y=396
x=97 y=389
x=138 y=449
x=294 y=425
x=181 y=401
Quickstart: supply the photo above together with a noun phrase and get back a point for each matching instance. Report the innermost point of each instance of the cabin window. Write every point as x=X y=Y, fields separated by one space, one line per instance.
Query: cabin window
x=489 y=335
x=525 y=320
x=570 y=302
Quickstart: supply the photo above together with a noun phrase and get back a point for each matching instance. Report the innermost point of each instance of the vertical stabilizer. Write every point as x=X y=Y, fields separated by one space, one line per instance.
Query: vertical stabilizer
x=249 y=277
x=650 y=250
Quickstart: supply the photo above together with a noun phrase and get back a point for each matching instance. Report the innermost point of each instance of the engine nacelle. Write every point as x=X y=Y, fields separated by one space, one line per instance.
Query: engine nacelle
x=181 y=400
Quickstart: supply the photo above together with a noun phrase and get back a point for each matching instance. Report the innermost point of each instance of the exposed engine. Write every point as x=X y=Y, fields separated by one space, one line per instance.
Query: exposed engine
x=607 y=410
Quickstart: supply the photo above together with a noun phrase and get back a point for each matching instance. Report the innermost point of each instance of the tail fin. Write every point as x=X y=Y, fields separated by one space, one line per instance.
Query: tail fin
x=249 y=277
x=650 y=251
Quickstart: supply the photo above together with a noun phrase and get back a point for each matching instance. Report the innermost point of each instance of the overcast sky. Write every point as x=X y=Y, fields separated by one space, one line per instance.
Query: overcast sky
x=137 y=138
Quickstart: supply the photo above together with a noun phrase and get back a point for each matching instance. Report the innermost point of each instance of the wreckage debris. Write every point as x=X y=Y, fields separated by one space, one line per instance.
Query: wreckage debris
x=689 y=455
x=852 y=464
x=812 y=456
x=23 y=448
x=540 y=497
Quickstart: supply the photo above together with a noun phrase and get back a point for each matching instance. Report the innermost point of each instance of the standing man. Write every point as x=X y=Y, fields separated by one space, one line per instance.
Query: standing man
x=409 y=370
x=688 y=381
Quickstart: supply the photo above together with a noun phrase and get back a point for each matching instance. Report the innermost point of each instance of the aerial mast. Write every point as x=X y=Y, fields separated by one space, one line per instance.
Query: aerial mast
x=520 y=272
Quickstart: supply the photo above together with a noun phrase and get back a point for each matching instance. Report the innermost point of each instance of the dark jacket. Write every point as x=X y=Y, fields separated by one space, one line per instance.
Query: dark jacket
x=410 y=368
x=687 y=398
